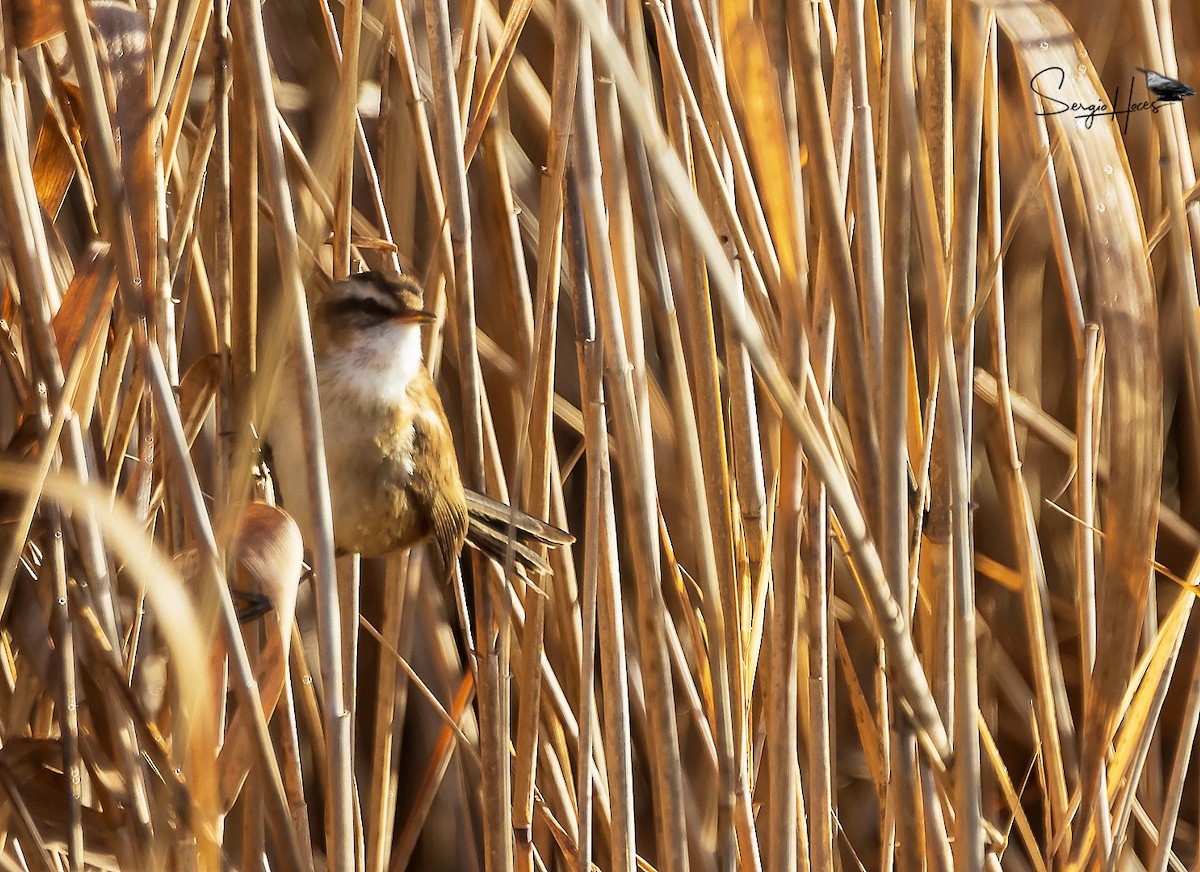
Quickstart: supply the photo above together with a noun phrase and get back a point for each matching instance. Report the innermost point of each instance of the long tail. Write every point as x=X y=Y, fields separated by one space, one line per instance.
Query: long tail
x=496 y=529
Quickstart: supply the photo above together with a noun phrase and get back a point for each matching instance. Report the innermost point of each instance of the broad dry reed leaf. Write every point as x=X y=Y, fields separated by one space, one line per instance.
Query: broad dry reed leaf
x=267 y=551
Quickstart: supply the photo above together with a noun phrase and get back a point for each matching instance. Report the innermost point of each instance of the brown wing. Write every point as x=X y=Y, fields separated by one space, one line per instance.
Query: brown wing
x=436 y=485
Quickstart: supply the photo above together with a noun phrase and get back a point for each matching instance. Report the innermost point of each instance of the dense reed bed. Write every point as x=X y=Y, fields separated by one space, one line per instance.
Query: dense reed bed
x=865 y=380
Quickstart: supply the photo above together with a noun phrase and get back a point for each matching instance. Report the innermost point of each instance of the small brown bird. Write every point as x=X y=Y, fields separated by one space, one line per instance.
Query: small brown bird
x=393 y=473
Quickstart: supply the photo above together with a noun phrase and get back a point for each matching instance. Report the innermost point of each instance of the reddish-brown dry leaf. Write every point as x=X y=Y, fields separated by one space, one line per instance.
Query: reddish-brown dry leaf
x=81 y=323
x=197 y=390
x=53 y=168
x=35 y=21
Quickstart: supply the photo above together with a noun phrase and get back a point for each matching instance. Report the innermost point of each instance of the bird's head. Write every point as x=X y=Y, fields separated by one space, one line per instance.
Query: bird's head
x=373 y=301
x=371 y=322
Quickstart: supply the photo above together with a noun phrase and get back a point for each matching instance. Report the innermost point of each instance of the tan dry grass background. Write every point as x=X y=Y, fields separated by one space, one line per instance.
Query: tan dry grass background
x=868 y=392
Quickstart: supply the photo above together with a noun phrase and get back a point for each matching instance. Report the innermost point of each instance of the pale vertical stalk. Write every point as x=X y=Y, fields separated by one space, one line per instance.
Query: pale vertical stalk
x=614 y=180
x=1149 y=782
x=590 y=355
x=902 y=792
x=223 y=283
x=968 y=825
x=814 y=561
x=293 y=775
x=427 y=160
x=938 y=854
x=639 y=489
x=399 y=183
x=780 y=848
x=391 y=703
x=751 y=490
x=349 y=585
x=449 y=148
x=550 y=217
x=964 y=234
x=786 y=836
x=610 y=610
x=1085 y=498
x=244 y=238
x=867 y=215
x=993 y=250
x=345 y=117
x=869 y=247
x=68 y=700
x=162 y=19
x=968 y=844
x=536 y=449
x=1179 y=768
x=467 y=32
x=1058 y=227
x=938 y=115
x=339 y=821
x=814 y=552
x=169 y=53
x=705 y=467
x=955 y=429
x=181 y=82
x=567 y=42
x=852 y=359
x=342 y=143
x=164 y=293
x=494 y=632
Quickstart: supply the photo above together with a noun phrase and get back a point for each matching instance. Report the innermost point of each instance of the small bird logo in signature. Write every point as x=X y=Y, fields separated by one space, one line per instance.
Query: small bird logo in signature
x=1165 y=88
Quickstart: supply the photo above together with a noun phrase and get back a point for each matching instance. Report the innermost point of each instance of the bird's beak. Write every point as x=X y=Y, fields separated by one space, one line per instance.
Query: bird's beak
x=418 y=316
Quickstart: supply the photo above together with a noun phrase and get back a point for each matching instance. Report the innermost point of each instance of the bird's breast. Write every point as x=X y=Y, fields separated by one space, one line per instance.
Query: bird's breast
x=371 y=466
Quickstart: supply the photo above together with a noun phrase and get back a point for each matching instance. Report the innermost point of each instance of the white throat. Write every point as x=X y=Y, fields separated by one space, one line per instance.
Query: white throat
x=378 y=366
